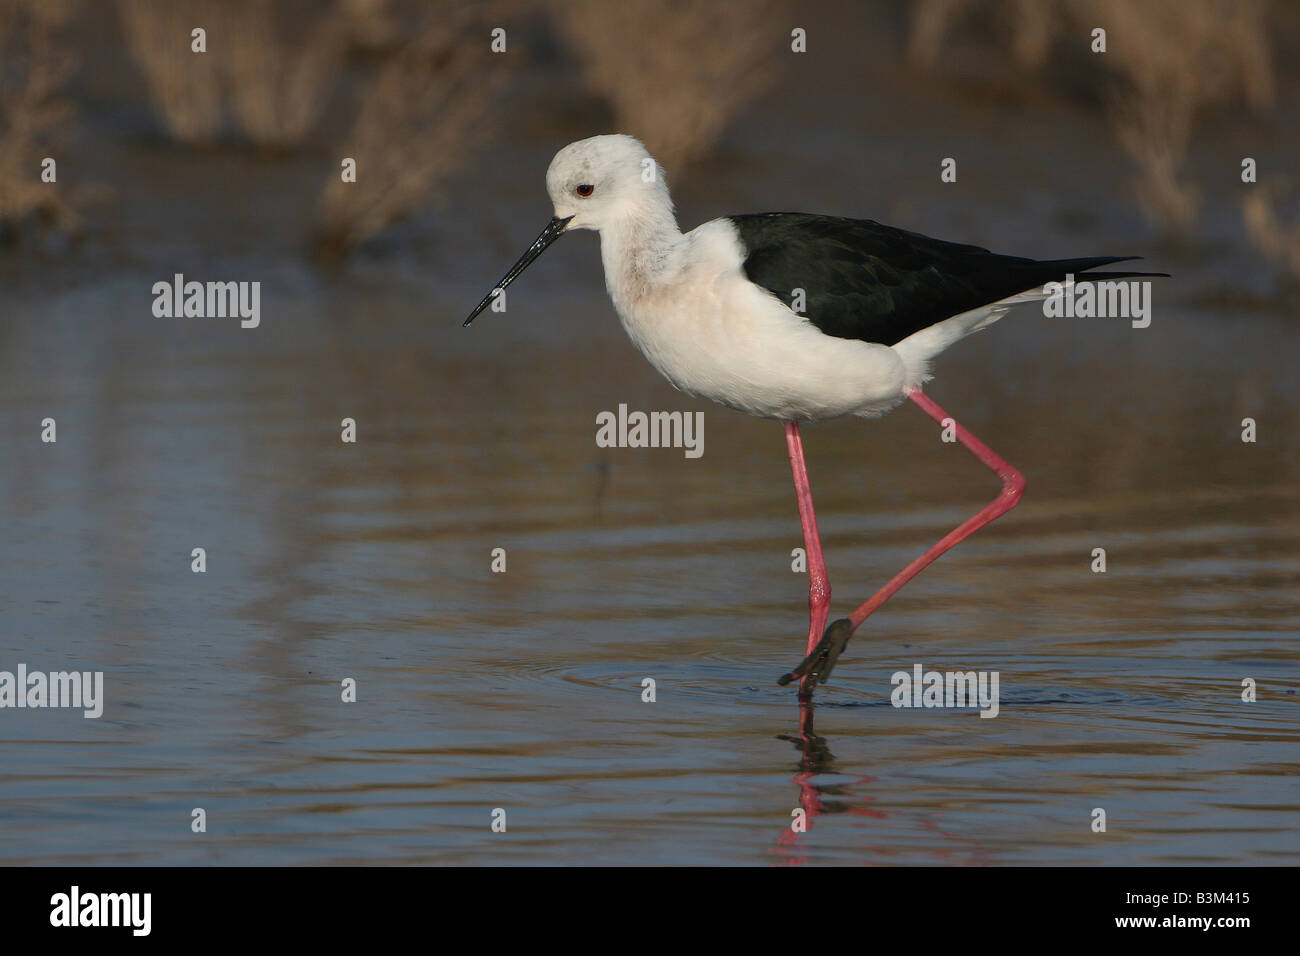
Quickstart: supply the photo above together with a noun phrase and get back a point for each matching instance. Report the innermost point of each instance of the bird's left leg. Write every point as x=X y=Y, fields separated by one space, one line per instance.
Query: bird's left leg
x=817 y=665
x=819 y=585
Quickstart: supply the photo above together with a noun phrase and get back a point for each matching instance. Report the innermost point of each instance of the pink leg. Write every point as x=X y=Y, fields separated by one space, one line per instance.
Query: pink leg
x=819 y=585
x=1013 y=484
x=817 y=665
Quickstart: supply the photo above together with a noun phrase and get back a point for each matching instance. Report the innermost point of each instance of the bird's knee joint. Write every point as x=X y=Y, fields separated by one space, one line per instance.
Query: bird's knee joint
x=1013 y=485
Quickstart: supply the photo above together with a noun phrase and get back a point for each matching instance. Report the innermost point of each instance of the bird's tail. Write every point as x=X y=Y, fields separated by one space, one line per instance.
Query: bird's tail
x=919 y=348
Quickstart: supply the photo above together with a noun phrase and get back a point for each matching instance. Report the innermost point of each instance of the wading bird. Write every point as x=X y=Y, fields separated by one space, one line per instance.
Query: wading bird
x=794 y=317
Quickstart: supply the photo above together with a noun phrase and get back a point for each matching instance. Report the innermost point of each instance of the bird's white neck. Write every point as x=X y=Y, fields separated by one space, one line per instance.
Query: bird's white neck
x=639 y=249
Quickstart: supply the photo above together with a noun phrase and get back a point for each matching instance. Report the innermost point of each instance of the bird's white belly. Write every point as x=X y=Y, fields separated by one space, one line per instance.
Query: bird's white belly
x=741 y=347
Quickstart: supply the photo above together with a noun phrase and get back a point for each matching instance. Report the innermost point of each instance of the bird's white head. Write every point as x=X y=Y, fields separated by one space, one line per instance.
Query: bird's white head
x=598 y=181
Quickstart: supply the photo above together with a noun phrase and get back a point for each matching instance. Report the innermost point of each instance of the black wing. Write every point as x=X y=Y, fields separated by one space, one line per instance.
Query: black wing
x=862 y=280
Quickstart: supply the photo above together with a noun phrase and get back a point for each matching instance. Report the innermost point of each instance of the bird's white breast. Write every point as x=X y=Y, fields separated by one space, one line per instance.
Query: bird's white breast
x=687 y=305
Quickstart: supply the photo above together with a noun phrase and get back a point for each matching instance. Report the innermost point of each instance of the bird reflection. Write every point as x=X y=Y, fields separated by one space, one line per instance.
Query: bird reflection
x=816 y=760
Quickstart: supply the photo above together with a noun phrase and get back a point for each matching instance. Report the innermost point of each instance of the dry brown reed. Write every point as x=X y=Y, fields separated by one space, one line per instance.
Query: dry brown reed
x=1269 y=231
x=276 y=86
x=279 y=87
x=419 y=122
x=1172 y=59
x=930 y=22
x=185 y=87
x=372 y=25
x=34 y=66
x=1033 y=26
x=675 y=71
x=1168 y=62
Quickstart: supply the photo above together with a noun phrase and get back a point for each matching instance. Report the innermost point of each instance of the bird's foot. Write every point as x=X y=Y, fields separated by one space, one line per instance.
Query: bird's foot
x=817 y=665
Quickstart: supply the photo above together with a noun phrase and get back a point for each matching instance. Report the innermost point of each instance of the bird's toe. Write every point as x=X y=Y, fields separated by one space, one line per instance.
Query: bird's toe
x=818 y=665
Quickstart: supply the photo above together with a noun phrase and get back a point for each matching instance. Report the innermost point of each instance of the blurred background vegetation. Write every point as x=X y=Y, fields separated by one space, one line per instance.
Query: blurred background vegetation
x=413 y=92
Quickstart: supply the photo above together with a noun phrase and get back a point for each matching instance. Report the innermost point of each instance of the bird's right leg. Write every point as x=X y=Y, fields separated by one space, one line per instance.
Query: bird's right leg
x=821 y=658
x=819 y=585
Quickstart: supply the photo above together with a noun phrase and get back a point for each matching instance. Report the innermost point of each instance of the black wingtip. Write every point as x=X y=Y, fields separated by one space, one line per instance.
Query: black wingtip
x=1107 y=276
x=1081 y=268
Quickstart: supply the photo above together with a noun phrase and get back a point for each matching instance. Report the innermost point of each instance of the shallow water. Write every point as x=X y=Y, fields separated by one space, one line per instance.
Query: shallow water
x=522 y=690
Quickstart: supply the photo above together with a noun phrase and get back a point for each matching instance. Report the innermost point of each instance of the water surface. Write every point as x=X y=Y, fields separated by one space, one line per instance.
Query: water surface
x=522 y=690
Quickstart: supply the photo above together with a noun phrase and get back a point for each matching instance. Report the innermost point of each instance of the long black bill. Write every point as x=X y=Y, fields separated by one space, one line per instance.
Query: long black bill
x=554 y=229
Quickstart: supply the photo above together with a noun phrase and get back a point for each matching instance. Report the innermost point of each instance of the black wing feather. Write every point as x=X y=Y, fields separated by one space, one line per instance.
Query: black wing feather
x=862 y=280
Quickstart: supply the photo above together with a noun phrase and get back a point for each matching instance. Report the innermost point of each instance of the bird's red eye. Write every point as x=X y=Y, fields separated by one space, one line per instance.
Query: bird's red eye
x=585 y=190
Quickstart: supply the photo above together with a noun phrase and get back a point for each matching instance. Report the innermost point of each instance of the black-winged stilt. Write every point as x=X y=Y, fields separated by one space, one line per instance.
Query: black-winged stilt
x=793 y=317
